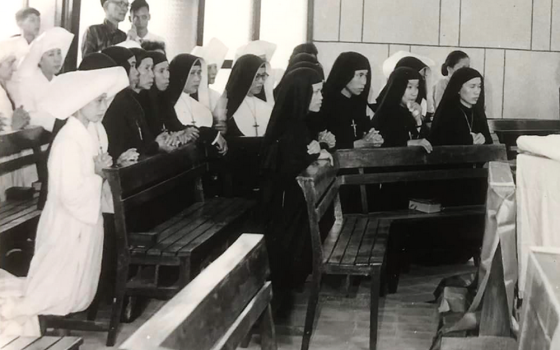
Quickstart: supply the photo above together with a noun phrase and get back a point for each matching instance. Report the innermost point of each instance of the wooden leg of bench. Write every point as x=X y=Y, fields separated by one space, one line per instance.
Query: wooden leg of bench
x=268 y=333
x=374 y=308
x=118 y=299
x=311 y=308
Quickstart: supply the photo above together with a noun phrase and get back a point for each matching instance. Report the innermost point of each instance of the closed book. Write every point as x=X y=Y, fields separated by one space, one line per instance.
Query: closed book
x=424 y=205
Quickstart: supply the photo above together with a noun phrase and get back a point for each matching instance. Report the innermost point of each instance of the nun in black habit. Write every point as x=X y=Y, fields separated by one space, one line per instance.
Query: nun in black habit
x=397 y=121
x=249 y=97
x=187 y=76
x=460 y=118
x=345 y=99
x=308 y=48
x=288 y=148
x=125 y=122
x=298 y=61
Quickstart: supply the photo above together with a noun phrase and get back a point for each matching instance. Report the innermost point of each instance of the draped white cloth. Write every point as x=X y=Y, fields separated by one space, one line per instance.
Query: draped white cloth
x=538 y=199
x=252 y=116
x=65 y=269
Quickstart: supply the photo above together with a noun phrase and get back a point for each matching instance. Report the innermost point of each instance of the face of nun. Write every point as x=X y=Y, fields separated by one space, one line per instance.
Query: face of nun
x=95 y=110
x=411 y=92
x=212 y=73
x=51 y=62
x=7 y=68
x=316 y=98
x=133 y=75
x=161 y=75
x=258 y=81
x=463 y=62
x=470 y=92
x=146 y=74
x=194 y=79
x=357 y=85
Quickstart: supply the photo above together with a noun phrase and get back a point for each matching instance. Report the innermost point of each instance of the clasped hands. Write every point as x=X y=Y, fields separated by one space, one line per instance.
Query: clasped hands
x=314 y=147
x=20 y=119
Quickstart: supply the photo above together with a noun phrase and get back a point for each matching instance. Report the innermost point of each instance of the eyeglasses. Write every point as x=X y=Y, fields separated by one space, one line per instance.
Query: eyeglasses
x=123 y=4
x=262 y=77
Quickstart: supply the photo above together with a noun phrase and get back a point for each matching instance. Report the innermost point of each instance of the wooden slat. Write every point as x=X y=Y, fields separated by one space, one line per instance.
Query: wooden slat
x=368 y=242
x=332 y=240
x=198 y=316
x=342 y=243
x=414 y=175
x=24 y=210
x=35 y=213
x=327 y=199
x=186 y=230
x=5 y=340
x=43 y=343
x=11 y=207
x=219 y=225
x=18 y=163
x=185 y=245
x=68 y=343
x=242 y=326
x=20 y=343
x=355 y=242
x=413 y=156
x=523 y=124
x=168 y=227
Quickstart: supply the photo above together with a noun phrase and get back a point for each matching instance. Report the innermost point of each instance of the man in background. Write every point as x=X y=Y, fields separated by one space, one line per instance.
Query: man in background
x=140 y=17
x=101 y=36
x=29 y=22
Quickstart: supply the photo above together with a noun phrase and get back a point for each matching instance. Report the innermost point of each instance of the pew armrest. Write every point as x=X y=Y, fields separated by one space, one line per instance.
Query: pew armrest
x=142 y=239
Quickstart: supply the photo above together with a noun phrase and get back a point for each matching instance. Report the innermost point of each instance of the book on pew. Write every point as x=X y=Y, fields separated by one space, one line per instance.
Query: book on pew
x=424 y=205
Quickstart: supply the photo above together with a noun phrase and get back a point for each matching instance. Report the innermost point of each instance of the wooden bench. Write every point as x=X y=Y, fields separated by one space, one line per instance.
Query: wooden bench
x=19 y=218
x=218 y=308
x=400 y=165
x=355 y=245
x=165 y=231
x=508 y=130
x=40 y=343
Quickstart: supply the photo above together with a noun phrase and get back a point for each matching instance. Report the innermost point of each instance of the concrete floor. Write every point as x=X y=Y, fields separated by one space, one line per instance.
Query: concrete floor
x=407 y=319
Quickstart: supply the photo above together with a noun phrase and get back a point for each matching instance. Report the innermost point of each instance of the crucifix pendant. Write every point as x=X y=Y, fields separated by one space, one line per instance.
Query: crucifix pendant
x=354 y=127
x=256 y=126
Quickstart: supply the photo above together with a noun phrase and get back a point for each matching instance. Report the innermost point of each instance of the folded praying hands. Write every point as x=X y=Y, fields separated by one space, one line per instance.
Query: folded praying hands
x=328 y=138
x=374 y=137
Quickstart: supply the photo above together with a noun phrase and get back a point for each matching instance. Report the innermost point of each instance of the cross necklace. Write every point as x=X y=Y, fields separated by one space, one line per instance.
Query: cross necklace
x=354 y=127
x=467 y=119
x=254 y=113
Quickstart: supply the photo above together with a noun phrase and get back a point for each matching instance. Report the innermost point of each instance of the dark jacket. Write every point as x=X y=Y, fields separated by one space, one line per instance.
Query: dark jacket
x=100 y=36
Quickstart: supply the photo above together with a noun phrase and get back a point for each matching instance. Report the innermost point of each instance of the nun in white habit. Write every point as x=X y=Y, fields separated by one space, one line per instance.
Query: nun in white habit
x=264 y=50
x=214 y=54
x=65 y=268
x=250 y=97
x=38 y=69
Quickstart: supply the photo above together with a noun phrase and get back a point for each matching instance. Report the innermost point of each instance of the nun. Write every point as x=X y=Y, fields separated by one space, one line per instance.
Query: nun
x=460 y=118
x=38 y=69
x=188 y=91
x=11 y=119
x=65 y=268
x=298 y=61
x=455 y=60
x=345 y=99
x=397 y=120
x=144 y=65
x=125 y=122
x=289 y=147
x=308 y=48
x=214 y=54
x=249 y=97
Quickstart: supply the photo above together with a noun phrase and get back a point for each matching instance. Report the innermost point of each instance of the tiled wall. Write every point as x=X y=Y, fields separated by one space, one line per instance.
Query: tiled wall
x=515 y=44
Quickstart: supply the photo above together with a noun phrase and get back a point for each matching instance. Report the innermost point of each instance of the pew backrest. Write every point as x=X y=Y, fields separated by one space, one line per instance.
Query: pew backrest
x=158 y=176
x=401 y=164
x=201 y=316
x=18 y=141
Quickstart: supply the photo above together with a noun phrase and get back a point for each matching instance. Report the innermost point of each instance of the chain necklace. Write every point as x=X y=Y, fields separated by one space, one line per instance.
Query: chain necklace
x=467 y=119
x=254 y=113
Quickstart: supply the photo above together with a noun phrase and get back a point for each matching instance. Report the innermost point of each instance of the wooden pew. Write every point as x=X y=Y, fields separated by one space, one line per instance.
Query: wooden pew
x=19 y=218
x=355 y=244
x=508 y=130
x=414 y=164
x=218 y=308
x=40 y=343
x=165 y=230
